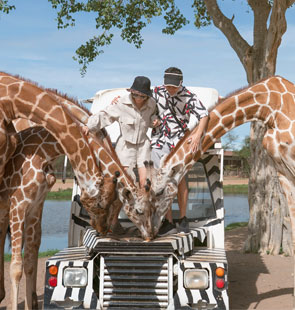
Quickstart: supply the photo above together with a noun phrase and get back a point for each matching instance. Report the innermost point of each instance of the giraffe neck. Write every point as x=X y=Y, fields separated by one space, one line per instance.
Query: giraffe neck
x=262 y=101
x=100 y=143
x=21 y=99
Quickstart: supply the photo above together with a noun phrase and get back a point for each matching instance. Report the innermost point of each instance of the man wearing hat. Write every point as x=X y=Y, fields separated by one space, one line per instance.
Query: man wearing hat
x=175 y=104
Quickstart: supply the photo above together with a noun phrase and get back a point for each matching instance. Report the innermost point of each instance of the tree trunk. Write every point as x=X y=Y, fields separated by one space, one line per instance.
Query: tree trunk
x=269 y=224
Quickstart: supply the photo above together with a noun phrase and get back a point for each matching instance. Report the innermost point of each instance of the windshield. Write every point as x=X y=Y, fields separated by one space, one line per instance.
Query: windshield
x=200 y=203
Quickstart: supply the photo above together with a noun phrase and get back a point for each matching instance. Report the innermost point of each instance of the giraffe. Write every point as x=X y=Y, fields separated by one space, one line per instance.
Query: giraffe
x=24 y=99
x=28 y=178
x=139 y=211
x=271 y=101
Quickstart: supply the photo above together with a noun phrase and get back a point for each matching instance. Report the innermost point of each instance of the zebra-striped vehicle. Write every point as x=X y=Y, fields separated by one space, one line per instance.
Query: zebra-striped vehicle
x=178 y=271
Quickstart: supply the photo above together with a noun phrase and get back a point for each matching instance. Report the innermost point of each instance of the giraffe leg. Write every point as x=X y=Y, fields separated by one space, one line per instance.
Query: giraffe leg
x=16 y=265
x=31 y=249
x=33 y=234
x=4 y=220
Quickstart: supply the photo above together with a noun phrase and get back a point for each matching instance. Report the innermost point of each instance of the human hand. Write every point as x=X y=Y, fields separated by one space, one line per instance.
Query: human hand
x=194 y=142
x=115 y=100
x=156 y=122
x=85 y=130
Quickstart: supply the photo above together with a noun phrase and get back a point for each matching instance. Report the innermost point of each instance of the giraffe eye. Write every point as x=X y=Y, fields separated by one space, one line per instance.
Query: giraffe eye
x=138 y=212
x=160 y=193
x=127 y=194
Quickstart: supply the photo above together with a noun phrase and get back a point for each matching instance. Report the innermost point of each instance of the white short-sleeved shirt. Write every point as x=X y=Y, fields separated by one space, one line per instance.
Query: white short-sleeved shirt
x=174 y=112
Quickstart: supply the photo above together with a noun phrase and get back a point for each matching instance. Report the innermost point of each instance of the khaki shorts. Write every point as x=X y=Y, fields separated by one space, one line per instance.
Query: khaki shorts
x=131 y=154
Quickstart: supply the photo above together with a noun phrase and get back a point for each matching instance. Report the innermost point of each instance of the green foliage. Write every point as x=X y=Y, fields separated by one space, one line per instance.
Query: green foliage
x=60 y=195
x=229 y=140
x=58 y=167
x=236 y=225
x=244 y=154
x=49 y=253
x=5 y=7
x=129 y=16
x=202 y=19
x=7 y=257
x=235 y=189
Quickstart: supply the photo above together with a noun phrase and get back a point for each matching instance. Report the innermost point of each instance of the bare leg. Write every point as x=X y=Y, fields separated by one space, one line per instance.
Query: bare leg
x=117 y=210
x=182 y=196
x=142 y=176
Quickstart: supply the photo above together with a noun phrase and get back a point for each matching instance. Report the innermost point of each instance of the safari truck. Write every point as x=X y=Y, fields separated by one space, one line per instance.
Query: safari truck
x=177 y=271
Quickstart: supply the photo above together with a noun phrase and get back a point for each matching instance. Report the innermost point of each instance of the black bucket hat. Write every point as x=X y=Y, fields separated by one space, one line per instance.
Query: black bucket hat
x=173 y=77
x=143 y=85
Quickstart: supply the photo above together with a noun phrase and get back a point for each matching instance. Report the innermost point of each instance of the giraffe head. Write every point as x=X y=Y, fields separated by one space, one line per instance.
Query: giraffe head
x=161 y=202
x=99 y=206
x=137 y=206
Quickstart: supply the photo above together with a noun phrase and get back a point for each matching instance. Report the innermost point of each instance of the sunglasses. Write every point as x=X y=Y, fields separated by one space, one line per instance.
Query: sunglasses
x=139 y=96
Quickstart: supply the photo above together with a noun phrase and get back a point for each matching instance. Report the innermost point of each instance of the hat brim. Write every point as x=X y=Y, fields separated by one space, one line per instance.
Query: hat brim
x=171 y=80
x=149 y=93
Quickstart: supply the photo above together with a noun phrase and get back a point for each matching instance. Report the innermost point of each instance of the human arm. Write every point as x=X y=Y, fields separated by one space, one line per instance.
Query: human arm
x=101 y=119
x=195 y=139
x=156 y=122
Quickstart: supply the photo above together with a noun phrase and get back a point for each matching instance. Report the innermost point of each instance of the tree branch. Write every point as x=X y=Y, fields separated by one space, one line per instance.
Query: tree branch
x=261 y=10
x=290 y=3
x=226 y=26
x=277 y=28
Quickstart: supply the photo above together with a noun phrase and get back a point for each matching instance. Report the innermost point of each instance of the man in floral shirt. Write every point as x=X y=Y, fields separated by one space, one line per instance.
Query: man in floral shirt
x=175 y=105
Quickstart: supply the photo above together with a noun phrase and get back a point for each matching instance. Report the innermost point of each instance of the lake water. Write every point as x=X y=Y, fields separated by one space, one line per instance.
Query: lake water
x=55 y=220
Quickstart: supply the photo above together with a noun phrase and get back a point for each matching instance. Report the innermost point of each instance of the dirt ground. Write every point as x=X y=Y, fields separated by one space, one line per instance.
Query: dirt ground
x=255 y=281
x=59 y=185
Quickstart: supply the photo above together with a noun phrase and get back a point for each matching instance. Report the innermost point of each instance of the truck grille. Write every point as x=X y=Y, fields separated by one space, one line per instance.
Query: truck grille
x=135 y=281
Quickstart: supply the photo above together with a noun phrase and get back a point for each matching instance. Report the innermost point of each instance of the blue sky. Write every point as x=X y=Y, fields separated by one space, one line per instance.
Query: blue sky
x=33 y=47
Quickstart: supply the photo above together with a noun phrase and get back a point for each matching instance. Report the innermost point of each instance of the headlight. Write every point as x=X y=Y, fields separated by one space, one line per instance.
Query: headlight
x=75 y=277
x=196 y=278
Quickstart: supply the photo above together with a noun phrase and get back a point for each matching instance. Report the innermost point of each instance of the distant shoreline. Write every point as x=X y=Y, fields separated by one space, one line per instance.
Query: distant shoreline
x=228 y=180
x=231 y=185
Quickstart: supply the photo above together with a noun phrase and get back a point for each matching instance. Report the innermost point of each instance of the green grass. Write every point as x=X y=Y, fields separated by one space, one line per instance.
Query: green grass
x=235 y=189
x=65 y=194
x=236 y=225
x=227 y=189
x=7 y=257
